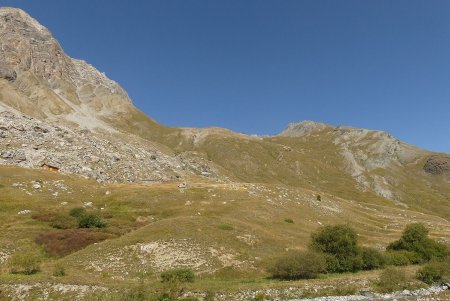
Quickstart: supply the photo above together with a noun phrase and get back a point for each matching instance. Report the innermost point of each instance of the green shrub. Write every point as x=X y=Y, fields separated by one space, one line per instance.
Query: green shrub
x=298 y=265
x=225 y=227
x=59 y=270
x=392 y=279
x=289 y=220
x=434 y=271
x=91 y=221
x=415 y=239
x=340 y=241
x=77 y=212
x=430 y=274
x=372 y=259
x=25 y=263
x=179 y=275
x=402 y=258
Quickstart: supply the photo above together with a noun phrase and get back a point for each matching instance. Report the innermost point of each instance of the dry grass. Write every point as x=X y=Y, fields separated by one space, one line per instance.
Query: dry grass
x=141 y=215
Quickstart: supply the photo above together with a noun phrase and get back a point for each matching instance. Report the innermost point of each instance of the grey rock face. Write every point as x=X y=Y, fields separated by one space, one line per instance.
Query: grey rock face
x=102 y=156
x=7 y=73
x=50 y=83
x=303 y=128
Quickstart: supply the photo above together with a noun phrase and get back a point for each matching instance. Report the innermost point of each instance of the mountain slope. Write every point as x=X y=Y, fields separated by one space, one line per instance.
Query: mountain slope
x=220 y=202
x=41 y=81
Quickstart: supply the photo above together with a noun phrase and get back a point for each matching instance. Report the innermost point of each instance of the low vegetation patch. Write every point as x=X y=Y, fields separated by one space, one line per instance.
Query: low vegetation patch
x=177 y=275
x=64 y=222
x=59 y=270
x=289 y=220
x=27 y=263
x=44 y=216
x=77 y=212
x=64 y=242
x=402 y=258
x=392 y=279
x=226 y=227
x=434 y=271
x=298 y=265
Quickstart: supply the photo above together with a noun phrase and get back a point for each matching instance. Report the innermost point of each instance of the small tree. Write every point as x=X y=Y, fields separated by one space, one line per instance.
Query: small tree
x=415 y=239
x=340 y=242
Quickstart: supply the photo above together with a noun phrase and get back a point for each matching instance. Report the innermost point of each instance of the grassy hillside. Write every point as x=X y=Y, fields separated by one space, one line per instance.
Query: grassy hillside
x=226 y=232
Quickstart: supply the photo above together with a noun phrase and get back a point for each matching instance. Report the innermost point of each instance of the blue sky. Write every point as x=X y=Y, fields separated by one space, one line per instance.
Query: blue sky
x=255 y=66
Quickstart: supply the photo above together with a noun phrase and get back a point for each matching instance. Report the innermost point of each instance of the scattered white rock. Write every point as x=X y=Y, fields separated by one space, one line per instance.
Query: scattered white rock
x=183 y=185
x=36 y=185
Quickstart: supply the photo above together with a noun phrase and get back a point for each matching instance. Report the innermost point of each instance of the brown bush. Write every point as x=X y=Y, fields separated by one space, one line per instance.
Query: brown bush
x=62 y=243
x=44 y=216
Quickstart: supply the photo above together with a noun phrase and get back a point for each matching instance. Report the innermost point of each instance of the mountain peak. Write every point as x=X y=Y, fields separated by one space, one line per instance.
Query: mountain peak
x=303 y=128
x=12 y=14
x=39 y=79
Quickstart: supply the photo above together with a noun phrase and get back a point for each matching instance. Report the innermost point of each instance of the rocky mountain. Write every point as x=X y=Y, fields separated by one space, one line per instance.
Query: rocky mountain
x=40 y=80
x=62 y=113
x=218 y=202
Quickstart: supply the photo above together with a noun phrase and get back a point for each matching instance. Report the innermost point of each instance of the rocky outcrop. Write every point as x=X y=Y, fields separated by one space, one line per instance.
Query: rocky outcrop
x=42 y=81
x=437 y=165
x=28 y=142
x=303 y=128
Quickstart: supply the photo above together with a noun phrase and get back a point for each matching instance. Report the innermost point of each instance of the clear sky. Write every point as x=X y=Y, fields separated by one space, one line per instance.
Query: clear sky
x=255 y=66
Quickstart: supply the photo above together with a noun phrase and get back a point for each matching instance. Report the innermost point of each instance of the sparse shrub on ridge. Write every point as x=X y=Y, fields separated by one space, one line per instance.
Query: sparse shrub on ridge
x=298 y=265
